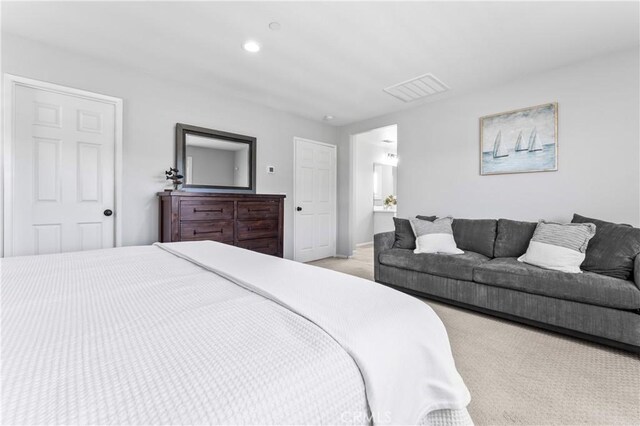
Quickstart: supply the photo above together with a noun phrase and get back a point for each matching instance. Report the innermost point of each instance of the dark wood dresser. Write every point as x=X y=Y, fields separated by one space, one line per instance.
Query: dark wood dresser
x=251 y=221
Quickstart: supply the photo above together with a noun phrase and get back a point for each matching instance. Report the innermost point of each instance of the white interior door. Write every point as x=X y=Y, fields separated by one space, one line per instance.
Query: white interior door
x=315 y=200
x=60 y=189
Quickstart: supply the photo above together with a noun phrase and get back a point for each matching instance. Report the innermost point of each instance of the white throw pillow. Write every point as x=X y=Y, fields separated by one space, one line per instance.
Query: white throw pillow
x=434 y=237
x=560 y=247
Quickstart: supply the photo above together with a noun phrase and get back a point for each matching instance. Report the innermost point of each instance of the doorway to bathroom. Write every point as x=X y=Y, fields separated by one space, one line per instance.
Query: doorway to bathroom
x=375 y=183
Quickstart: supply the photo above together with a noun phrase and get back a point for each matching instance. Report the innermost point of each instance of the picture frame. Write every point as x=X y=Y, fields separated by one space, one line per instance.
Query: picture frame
x=522 y=140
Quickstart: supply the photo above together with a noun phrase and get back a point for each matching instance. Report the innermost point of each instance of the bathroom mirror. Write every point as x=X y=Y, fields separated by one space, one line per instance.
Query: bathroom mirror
x=214 y=160
x=384 y=182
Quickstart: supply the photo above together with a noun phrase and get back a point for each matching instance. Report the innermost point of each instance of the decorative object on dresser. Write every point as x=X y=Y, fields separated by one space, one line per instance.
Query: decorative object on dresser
x=251 y=221
x=173 y=175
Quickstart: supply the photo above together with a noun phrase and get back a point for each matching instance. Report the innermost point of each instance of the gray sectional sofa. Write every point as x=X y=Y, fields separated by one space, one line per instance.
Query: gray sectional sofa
x=488 y=278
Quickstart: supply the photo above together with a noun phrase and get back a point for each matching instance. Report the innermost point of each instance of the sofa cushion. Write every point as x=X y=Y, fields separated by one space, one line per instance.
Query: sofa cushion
x=636 y=271
x=429 y=218
x=405 y=238
x=513 y=238
x=457 y=266
x=477 y=235
x=404 y=234
x=612 y=250
x=588 y=287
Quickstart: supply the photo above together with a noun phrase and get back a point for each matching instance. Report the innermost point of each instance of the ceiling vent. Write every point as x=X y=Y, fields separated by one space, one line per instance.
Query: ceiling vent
x=417 y=88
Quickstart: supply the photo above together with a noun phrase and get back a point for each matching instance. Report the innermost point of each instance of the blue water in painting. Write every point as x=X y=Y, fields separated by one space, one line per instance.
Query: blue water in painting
x=523 y=161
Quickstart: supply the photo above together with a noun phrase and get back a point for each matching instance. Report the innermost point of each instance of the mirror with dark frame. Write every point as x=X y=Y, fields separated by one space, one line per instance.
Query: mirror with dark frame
x=216 y=161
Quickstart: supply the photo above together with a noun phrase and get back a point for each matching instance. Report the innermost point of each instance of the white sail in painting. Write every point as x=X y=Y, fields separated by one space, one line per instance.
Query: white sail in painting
x=499 y=150
x=520 y=146
x=534 y=141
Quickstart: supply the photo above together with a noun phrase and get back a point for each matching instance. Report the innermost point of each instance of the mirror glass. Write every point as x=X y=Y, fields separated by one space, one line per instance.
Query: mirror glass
x=216 y=162
x=384 y=182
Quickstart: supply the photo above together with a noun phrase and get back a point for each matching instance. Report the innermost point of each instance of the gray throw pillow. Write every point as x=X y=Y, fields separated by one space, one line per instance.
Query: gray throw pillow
x=613 y=248
x=405 y=238
x=404 y=234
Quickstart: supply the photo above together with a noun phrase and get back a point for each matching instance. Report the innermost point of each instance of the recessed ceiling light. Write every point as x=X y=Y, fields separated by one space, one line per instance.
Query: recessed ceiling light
x=328 y=117
x=251 y=46
x=275 y=26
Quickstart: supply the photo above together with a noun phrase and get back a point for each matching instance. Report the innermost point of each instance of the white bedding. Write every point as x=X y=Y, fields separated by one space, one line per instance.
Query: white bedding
x=399 y=344
x=139 y=336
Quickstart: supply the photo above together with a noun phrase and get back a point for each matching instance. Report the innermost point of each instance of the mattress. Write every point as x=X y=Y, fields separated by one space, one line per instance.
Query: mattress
x=137 y=335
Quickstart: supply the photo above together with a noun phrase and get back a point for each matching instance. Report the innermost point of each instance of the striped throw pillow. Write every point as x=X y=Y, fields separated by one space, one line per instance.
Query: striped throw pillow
x=557 y=246
x=434 y=237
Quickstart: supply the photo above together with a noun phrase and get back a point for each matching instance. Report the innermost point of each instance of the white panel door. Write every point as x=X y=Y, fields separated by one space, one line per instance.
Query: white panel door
x=63 y=171
x=315 y=200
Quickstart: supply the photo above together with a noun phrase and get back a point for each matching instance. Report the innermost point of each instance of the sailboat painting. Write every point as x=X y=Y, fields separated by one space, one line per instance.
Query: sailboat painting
x=520 y=141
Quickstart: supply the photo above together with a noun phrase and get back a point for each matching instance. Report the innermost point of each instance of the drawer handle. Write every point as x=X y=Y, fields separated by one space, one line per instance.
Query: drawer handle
x=259 y=228
x=258 y=210
x=220 y=231
x=207 y=211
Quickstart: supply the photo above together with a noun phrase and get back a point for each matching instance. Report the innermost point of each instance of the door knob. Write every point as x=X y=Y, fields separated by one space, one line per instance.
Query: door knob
x=107 y=212
x=299 y=208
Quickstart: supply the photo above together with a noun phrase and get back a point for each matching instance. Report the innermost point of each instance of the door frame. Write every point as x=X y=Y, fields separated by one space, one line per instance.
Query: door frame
x=7 y=176
x=334 y=185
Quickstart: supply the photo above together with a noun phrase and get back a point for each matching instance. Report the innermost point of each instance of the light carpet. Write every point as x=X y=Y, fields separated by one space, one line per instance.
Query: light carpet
x=523 y=375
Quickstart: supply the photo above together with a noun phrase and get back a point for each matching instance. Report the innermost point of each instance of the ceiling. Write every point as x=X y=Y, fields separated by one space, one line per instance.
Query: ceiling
x=331 y=57
x=378 y=137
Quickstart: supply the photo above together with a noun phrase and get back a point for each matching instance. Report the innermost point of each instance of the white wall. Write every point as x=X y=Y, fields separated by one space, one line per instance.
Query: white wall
x=152 y=107
x=598 y=146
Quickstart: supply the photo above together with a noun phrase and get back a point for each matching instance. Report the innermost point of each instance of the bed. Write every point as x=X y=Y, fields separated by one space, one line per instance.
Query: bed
x=206 y=333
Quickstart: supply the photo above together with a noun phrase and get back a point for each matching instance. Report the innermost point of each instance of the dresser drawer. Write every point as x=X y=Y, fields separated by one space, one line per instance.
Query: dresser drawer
x=258 y=209
x=216 y=230
x=250 y=221
x=206 y=210
x=251 y=229
x=263 y=245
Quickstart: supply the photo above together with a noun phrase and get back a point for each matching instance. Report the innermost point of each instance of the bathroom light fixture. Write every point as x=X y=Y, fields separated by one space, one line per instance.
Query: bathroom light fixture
x=328 y=117
x=251 y=46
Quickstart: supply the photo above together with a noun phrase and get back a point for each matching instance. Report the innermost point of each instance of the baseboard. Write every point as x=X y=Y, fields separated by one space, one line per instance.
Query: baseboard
x=370 y=243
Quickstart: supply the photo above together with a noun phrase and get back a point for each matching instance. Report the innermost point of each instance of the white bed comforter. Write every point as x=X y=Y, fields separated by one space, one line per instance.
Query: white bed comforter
x=399 y=344
x=137 y=335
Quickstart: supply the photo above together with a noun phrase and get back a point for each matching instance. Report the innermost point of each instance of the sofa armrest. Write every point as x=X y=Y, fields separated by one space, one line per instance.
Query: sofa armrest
x=636 y=271
x=381 y=242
